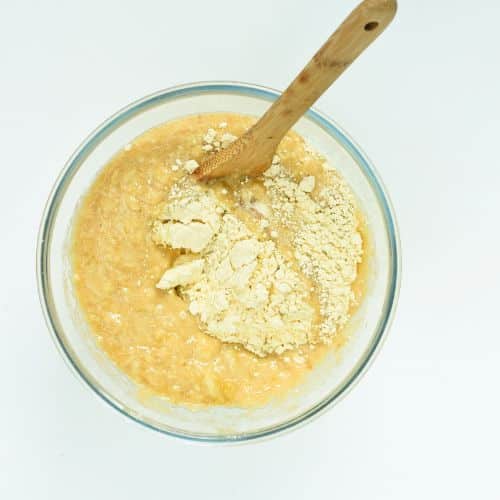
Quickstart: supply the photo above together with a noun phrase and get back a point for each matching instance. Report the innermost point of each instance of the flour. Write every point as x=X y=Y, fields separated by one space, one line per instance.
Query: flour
x=213 y=141
x=238 y=283
x=188 y=223
x=181 y=275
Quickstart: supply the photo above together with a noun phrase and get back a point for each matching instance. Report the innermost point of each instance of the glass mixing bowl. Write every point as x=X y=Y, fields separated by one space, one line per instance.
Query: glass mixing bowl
x=327 y=383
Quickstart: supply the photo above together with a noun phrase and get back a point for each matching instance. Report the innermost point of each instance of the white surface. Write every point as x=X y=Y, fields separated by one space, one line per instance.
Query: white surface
x=423 y=102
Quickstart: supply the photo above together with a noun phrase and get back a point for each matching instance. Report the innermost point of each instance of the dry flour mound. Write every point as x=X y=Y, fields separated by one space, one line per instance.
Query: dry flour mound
x=238 y=283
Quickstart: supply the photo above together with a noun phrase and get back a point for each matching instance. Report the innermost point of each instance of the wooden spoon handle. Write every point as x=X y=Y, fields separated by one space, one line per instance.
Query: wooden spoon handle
x=363 y=25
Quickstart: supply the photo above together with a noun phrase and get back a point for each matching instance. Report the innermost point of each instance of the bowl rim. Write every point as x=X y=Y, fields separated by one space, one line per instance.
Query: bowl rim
x=248 y=90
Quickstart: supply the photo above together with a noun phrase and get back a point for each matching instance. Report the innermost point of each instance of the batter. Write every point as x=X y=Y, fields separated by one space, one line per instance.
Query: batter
x=149 y=333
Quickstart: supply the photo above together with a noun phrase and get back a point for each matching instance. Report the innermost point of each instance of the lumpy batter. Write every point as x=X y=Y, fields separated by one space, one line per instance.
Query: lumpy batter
x=148 y=333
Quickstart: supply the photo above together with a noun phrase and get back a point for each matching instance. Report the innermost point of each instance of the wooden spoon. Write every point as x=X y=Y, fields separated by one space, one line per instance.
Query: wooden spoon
x=252 y=153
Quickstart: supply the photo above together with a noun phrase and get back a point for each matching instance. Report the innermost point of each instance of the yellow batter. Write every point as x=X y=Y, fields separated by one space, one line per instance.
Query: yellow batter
x=148 y=333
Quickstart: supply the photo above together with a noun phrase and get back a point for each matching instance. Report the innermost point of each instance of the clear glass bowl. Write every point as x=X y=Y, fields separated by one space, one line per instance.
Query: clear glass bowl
x=327 y=383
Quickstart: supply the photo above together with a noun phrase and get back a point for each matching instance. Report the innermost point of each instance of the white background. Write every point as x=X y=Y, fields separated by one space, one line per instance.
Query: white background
x=424 y=104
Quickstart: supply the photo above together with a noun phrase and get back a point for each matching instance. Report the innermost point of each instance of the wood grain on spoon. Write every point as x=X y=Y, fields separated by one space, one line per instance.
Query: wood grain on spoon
x=251 y=154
